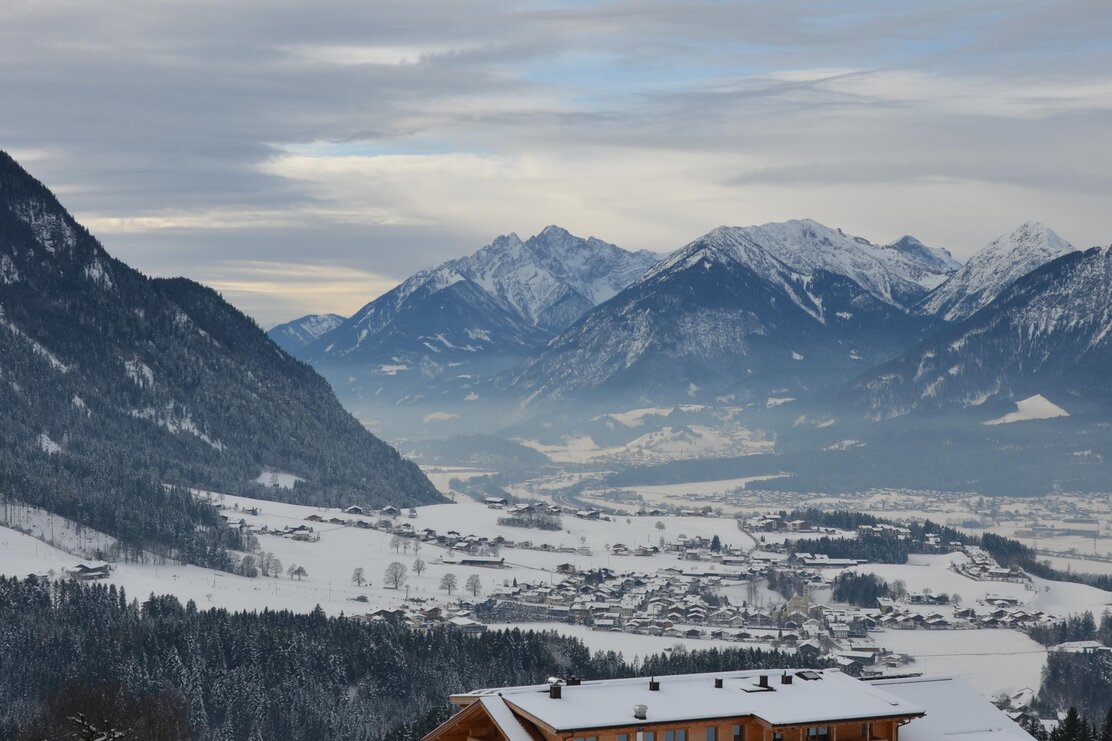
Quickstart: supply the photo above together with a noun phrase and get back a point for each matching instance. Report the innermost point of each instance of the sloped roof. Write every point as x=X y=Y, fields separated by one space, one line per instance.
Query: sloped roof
x=954 y=711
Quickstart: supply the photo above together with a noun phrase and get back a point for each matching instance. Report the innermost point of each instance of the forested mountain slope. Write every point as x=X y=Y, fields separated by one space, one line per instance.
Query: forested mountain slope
x=114 y=384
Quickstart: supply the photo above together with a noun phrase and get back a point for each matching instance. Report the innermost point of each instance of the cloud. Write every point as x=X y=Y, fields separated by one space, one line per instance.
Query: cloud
x=304 y=287
x=195 y=136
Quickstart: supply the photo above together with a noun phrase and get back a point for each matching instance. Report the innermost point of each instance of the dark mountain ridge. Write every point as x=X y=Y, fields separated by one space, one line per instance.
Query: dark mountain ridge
x=115 y=384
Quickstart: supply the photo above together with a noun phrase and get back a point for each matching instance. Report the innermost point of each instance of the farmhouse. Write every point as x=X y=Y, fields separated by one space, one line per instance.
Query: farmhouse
x=86 y=572
x=463 y=559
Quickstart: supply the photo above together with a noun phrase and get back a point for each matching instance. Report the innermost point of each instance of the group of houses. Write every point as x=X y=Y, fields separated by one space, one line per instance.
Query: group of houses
x=424 y=618
x=981 y=566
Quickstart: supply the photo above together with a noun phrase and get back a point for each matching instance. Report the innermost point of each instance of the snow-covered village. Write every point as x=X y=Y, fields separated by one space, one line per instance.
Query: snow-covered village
x=879 y=599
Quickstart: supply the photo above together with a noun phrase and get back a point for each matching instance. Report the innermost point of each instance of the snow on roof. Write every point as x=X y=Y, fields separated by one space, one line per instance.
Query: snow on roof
x=505 y=719
x=954 y=711
x=829 y=696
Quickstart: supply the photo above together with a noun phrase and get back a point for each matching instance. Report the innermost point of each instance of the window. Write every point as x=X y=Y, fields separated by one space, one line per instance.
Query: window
x=712 y=734
x=777 y=736
x=818 y=732
x=677 y=735
x=622 y=737
x=739 y=733
x=646 y=736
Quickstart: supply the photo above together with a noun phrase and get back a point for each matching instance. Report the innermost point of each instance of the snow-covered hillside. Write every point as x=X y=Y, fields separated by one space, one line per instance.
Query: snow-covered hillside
x=898 y=273
x=990 y=271
x=296 y=334
x=1049 y=334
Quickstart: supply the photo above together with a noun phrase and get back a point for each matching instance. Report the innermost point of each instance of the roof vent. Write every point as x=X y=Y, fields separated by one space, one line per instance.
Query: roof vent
x=785 y=679
x=762 y=681
x=654 y=686
x=555 y=691
x=640 y=712
x=718 y=683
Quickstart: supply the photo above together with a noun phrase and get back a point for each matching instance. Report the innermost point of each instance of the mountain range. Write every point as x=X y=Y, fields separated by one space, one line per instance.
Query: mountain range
x=116 y=386
x=1047 y=334
x=786 y=311
x=729 y=314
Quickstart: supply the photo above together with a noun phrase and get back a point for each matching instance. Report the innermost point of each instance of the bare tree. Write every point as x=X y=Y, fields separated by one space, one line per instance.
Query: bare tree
x=396 y=543
x=395 y=575
x=358 y=577
x=448 y=582
x=416 y=547
x=418 y=567
x=474 y=585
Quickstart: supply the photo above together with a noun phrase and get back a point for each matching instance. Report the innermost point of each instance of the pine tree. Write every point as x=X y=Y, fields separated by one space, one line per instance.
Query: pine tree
x=1106 y=728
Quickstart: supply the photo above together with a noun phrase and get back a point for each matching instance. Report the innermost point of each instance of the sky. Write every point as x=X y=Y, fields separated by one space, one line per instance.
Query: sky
x=307 y=156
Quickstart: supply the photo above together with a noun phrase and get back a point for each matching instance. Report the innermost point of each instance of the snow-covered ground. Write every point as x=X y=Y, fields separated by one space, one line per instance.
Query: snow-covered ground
x=441 y=476
x=331 y=561
x=657 y=446
x=992 y=661
x=672 y=491
x=1034 y=407
x=933 y=573
x=629 y=645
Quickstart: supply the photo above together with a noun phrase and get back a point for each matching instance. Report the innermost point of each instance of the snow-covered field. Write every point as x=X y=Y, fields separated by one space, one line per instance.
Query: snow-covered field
x=331 y=561
x=442 y=476
x=1034 y=407
x=992 y=661
x=933 y=573
x=657 y=446
x=629 y=645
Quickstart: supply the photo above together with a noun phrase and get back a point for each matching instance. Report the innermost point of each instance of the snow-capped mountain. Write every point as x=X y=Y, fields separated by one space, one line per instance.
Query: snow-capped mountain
x=928 y=266
x=993 y=269
x=1047 y=334
x=296 y=334
x=899 y=273
x=445 y=328
x=554 y=277
x=725 y=314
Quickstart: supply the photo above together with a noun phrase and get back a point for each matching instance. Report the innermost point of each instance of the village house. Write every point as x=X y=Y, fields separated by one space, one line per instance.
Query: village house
x=755 y=705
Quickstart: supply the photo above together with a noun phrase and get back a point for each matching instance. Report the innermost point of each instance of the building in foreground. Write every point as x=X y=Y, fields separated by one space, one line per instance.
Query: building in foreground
x=762 y=705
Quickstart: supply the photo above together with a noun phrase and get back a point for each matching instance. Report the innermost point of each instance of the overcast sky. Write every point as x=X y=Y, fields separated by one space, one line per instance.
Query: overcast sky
x=307 y=156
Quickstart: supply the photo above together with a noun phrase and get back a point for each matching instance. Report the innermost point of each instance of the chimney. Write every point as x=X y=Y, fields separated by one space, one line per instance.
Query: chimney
x=640 y=712
x=574 y=681
x=654 y=686
x=785 y=678
x=718 y=683
x=554 y=691
x=762 y=681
